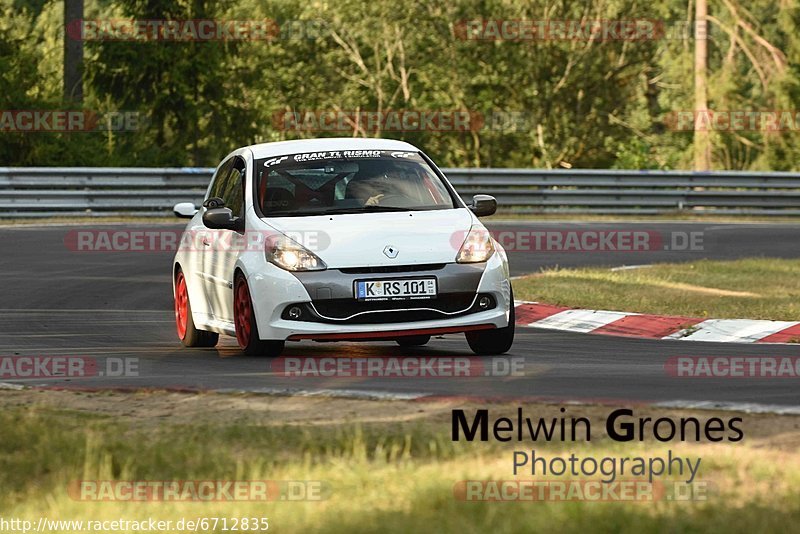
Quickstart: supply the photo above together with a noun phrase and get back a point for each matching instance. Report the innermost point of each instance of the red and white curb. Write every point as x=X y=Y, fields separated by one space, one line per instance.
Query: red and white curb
x=649 y=326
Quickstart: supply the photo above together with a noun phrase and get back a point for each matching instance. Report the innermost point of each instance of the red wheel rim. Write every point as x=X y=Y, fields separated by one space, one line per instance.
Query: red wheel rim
x=181 y=305
x=242 y=312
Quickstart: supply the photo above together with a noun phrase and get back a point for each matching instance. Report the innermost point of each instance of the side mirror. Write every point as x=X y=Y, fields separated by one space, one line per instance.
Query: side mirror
x=221 y=219
x=483 y=205
x=184 y=210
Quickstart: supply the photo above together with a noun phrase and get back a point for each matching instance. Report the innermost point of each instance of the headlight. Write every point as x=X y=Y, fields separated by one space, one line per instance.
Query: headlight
x=477 y=247
x=292 y=256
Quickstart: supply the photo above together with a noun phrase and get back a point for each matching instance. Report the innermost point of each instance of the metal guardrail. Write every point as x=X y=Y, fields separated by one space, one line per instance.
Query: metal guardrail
x=77 y=191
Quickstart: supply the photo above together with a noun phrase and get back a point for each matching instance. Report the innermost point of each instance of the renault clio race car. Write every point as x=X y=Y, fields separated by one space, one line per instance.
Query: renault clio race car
x=338 y=240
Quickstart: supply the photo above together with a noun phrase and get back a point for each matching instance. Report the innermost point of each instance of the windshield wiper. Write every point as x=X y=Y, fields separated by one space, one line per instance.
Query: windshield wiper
x=367 y=209
x=295 y=213
x=337 y=211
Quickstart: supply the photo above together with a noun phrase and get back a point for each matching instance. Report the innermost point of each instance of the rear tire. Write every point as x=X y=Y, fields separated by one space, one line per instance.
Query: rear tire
x=245 y=320
x=413 y=341
x=495 y=341
x=189 y=335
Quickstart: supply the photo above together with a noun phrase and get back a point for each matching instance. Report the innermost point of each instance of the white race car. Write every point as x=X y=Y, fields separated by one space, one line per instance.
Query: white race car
x=338 y=239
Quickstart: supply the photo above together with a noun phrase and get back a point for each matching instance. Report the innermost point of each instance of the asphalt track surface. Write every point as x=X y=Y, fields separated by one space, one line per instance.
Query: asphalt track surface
x=59 y=302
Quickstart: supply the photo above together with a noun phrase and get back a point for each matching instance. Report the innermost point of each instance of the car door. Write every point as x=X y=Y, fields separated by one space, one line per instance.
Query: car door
x=207 y=241
x=228 y=243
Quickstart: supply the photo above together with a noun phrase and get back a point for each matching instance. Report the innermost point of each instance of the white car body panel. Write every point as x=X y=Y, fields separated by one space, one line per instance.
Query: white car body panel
x=357 y=240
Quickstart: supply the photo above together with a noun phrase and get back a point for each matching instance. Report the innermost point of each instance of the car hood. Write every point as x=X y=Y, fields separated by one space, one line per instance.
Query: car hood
x=370 y=239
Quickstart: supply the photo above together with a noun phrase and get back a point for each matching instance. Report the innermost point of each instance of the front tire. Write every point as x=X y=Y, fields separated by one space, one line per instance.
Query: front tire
x=244 y=319
x=189 y=335
x=496 y=341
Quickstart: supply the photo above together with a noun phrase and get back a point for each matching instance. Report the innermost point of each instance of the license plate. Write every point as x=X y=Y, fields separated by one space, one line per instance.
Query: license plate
x=407 y=288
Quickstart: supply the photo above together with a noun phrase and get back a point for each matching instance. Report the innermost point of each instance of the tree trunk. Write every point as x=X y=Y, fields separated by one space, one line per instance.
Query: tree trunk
x=73 y=51
x=702 y=141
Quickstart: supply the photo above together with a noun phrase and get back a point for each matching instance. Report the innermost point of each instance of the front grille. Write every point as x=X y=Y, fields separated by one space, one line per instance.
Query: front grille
x=394 y=268
x=391 y=317
x=339 y=311
x=340 y=308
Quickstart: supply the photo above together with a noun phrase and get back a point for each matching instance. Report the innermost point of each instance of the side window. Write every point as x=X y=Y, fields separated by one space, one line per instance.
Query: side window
x=233 y=192
x=218 y=183
x=228 y=185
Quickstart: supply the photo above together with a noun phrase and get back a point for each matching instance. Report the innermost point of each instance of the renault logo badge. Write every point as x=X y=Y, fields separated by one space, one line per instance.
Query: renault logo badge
x=390 y=251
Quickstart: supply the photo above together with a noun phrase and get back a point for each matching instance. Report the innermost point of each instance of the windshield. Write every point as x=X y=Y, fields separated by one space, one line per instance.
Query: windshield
x=348 y=181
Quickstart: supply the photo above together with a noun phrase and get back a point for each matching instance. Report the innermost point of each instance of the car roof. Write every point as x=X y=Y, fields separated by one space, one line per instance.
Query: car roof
x=282 y=148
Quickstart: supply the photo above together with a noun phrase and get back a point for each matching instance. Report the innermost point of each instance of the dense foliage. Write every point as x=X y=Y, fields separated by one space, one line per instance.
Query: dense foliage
x=573 y=102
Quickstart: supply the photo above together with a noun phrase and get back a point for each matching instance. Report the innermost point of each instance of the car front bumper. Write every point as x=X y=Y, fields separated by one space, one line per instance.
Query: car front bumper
x=336 y=314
